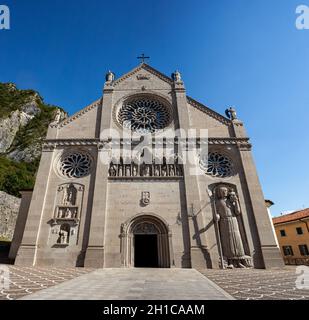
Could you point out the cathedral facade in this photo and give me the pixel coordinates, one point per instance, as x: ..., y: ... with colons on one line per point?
x: 146, y: 177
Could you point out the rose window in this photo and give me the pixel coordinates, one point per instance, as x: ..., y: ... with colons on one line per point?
x: 75, y: 165
x: 144, y: 115
x: 216, y: 164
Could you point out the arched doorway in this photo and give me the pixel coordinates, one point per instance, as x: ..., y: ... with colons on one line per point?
x: 146, y: 242
x: 146, y: 247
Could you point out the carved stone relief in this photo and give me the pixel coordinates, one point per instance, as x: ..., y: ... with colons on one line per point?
x: 145, y: 228
x: 228, y: 218
x: 154, y: 169
x: 142, y: 77
x: 65, y: 222
x: 64, y: 234
x: 145, y: 200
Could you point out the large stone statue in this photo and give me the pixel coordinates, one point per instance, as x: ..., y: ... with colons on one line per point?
x: 228, y: 209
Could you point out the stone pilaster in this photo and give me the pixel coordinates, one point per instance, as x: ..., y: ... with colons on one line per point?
x: 271, y: 256
x: 95, y: 251
x: 26, y: 254
x: 198, y: 246
x: 26, y: 196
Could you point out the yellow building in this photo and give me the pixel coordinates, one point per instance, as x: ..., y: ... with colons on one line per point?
x: 292, y: 231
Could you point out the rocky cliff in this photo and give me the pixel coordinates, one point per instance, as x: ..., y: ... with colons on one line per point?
x: 24, y: 119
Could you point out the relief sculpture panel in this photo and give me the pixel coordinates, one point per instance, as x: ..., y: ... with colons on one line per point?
x: 66, y: 219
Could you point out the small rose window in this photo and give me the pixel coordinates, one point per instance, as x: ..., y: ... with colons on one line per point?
x: 216, y: 164
x: 75, y: 165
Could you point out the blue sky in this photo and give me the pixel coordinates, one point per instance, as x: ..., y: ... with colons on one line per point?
x: 243, y: 53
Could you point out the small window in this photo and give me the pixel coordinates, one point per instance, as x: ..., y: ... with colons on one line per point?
x: 303, y: 249
x: 287, y: 250
x: 299, y: 230
x: 282, y: 233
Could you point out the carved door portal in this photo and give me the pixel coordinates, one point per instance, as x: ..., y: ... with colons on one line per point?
x: 146, y: 243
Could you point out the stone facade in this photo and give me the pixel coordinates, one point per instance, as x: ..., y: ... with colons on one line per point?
x: 88, y: 212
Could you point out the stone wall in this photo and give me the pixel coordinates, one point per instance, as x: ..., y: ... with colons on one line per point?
x: 9, y: 206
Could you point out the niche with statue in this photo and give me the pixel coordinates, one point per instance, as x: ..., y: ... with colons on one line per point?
x: 232, y: 241
x: 66, y: 219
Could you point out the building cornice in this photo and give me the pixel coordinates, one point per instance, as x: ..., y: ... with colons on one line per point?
x: 50, y: 144
x: 241, y: 143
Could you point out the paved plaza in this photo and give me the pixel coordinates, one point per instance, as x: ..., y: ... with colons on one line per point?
x: 135, y: 284
x: 256, y: 284
x: 26, y: 280
x: 187, y: 284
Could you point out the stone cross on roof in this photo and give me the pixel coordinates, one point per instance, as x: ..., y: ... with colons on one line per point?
x: 142, y: 57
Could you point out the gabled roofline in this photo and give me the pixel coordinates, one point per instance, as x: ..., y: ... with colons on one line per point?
x: 146, y: 67
x: 169, y: 80
x: 160, y: 75
x: 209, y: 111
x: 78, y: 114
